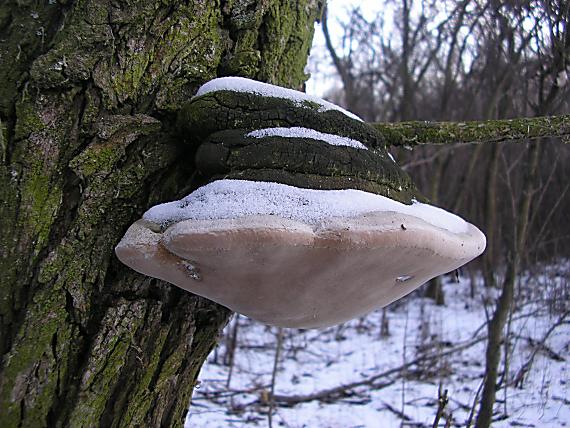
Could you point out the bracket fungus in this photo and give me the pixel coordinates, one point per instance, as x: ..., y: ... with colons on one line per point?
x: 306, y: 221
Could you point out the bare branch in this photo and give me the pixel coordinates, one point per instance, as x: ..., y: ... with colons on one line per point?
x: 415, y: 133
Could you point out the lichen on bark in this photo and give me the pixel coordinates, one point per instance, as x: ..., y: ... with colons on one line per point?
x: 415, y: 133
x: 88, y: 98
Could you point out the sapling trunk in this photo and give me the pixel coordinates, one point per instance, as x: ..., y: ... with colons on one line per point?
x: 500, y: 316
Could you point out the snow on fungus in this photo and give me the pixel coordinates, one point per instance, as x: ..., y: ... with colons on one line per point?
x: 296, y: 257
x: 299, y: 132
x: 242, y: 84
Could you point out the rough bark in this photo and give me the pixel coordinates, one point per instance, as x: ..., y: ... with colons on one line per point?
x: 88, y: 94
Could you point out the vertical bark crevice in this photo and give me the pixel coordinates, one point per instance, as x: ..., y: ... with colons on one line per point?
x: 88, y: 142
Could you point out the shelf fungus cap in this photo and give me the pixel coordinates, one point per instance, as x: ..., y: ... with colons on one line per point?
x: 296, y: 257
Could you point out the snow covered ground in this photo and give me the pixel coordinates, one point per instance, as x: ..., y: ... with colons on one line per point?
x: 395, y: 378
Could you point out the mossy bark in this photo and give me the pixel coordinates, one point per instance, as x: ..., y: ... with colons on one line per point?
x: 88, y: 94
x: 519, y: 130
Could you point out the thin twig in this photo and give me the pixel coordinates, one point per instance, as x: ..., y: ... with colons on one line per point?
x: 232, y: 350
x: 525, y: 368
x: 442, y: 400
x: 274, y: 376
x: 397, y: 412
x: 475, y: 401
x: 345, y: 390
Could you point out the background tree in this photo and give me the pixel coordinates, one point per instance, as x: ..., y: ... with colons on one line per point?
x: 475, y: 60
x: 88, y: 97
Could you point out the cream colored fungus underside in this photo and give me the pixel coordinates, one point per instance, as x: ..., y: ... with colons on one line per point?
x: 287, y: 273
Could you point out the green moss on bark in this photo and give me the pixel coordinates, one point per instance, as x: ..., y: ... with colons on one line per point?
x: 28, y: 121
x: 110, y: 351
x: 26, y: 29
x: 487, y: 131
x: 82, y: 164
x: 288, y: 29
x: 28, y: 368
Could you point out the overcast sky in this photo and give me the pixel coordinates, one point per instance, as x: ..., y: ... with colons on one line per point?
x: 322, y: 72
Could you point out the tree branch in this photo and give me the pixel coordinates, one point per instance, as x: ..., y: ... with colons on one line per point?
x: 415, y: 133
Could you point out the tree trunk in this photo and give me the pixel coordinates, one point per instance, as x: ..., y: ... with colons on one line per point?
x: 89, y: 92
x: 497, y: 323
x: 434, y: 289
x: 490, y: 262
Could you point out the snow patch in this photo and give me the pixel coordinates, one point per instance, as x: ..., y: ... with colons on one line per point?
x: 226, y: 199
x: 241, y: 84
x: 315, y: 360
x: 299, y: 132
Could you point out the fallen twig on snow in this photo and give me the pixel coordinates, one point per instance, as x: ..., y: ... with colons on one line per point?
x: 538, y: 346
x: 345, y: 390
